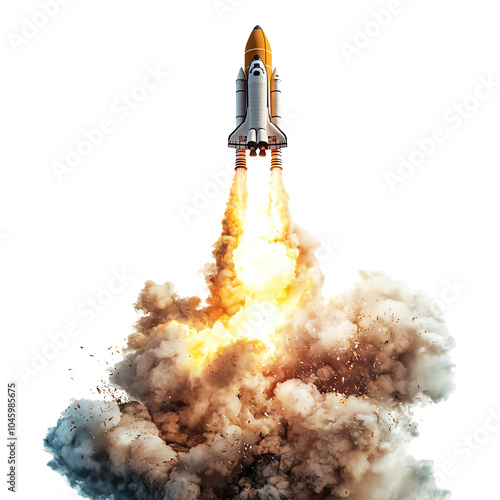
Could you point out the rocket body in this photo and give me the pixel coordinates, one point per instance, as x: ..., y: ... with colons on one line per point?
x: 257, y: 104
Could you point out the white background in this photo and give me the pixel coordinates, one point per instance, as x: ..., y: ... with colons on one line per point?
x: 347, y: 124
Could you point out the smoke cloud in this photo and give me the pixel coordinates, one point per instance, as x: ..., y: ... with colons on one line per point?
x: 266, y: 390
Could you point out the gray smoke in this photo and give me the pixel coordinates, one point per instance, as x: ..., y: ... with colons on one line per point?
x: 328, y: 416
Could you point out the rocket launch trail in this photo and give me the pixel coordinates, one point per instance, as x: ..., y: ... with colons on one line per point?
x: 263, y: 389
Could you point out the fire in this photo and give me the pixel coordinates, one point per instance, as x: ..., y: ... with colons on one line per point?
x: 265, y: 260
x: 266, y: 390
x: 255, y: 321
x: 263, y: 264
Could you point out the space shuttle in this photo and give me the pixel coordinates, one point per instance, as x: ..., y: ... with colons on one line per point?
x: 258, y: 103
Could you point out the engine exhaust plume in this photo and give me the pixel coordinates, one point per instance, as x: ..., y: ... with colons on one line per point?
x: 268, y: 391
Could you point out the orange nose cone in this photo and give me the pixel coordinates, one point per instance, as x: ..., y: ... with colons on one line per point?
x: 258, y: 44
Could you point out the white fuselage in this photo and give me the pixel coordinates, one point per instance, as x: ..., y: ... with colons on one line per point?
x: 258, y: 114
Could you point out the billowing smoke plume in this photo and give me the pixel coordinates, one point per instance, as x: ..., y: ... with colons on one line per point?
x: 268, y: 391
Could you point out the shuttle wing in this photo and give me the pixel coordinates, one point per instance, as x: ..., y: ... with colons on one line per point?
x: 276, y: 137
x: 238, y: 138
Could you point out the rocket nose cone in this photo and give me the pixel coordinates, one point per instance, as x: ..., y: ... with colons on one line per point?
x: 258, y: 44
x: 256, y: 57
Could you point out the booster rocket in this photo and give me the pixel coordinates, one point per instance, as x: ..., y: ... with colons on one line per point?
x: 258, y: 112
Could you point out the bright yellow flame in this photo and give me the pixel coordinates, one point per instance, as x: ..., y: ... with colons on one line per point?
x: 264, y: 261
x: 255, y: 321
x: 266, y: 268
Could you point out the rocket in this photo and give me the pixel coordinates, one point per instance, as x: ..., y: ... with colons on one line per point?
x: 258, y: 104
